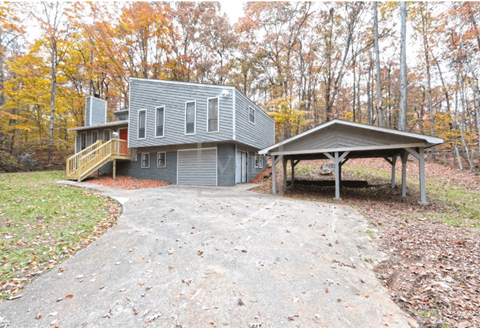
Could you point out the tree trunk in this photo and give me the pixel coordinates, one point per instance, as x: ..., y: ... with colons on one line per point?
x: 53, y: 86
x: 402, y: 122
x: 377, y: 59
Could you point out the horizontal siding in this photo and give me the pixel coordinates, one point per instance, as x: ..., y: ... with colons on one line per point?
x: 99, y: 135
x: 149, y: 94
x: 337, y: 136
x: 259, y: 135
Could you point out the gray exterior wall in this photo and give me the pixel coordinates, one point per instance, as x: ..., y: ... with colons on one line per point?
x: 134, y: 168
x: 225, y: 165
x: 121, y: 115
x: 260, y: 134
x: 99, y: 135
x: 95, y: 111
x: 149, y: 94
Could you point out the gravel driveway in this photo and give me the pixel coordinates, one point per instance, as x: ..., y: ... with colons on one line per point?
x: 215, y: 257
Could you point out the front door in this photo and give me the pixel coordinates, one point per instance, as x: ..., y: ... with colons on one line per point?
x: 241, y: 167
x: 123, y: 136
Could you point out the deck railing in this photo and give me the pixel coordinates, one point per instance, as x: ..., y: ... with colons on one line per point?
x: 83, y: 163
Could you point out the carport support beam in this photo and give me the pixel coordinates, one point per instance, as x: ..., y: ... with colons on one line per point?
x: 394, y: 164
x: 275, y: 160
x: 420, y: 155
x: 284, y: 162
x: 404, y: 174
x: 337, y: 160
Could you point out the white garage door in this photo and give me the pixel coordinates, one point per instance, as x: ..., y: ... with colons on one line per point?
x: 197, y: 167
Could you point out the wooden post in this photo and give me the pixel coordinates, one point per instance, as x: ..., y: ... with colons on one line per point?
x: 404, y: 174
x: 337, y: 177
x: 114, y: 168
x: 292, y: 163
x: 421, y: 166
x: 274, y: 178
x: 394, y: 163
x: 284, y: 162
x: 79, y: 168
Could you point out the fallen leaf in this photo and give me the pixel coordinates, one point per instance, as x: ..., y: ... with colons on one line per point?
x: 69, y: 296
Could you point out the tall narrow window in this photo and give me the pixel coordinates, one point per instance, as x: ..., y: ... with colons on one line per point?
x: 141, y: 123
x: 213, y: 115
x: 251, y: 114
x: 145, y: 160
x: 161, y: 159
x: 160, y: 118
x: 94, y: 137
x: 190, y: 118
x: 83, y: 141
x: 106, y: 135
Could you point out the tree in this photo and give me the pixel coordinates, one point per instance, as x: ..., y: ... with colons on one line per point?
x: 377, y: 59
x: 402, y: 124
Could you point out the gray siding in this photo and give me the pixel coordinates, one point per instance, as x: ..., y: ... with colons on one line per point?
x: 134, y: 168
x: 252, y: 172
x: 226, y: 164
x: 340, y: 136
x: 88, y: 104
x: 99, y: 135
x: 149, y: 94
x: 260, y: 134
x: 98, y: 111
x: 95, y: 111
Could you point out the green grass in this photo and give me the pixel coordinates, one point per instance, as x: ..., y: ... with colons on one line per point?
x: 42, y: 223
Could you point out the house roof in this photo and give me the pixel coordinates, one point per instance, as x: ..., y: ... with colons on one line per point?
x: 338, y: 135
x: 100, y: 126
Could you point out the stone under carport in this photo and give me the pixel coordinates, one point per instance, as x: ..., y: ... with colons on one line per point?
x: 341, y: 141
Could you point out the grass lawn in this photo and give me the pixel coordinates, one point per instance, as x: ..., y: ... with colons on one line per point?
x: 434, y: 268
x: 42, y: 224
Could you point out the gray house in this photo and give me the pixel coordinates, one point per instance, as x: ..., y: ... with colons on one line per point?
x: 178, y: 132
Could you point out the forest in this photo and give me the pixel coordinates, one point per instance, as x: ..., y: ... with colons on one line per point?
x: 409, y: 66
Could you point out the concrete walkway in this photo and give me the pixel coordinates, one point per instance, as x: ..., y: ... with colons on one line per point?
x: 215, y: 257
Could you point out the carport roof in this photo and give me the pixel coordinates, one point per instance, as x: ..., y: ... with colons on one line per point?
x: 359, y: 139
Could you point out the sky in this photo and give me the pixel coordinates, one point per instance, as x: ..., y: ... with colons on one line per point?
x: 233, y: 9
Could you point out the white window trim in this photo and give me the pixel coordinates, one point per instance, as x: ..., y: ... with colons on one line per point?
x: 156, y: 111
x: 91, y: 137
x: 260, y: 161
x: 81, y: 139
x: 138, y: 124
x: 109, y: 133
x: 194, y: 122
x: 141, y: 161
x: 162, y: 152
x: 218, y: 115
x: 250, y: 107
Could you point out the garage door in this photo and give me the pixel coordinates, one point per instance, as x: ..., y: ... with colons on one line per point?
x: 197, y: 167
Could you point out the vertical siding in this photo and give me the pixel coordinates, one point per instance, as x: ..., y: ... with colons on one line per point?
x: 88, y: 104
x: 259, y: 135
x: 98, y: 111
x: 149, y: 94
x: 226, y: 164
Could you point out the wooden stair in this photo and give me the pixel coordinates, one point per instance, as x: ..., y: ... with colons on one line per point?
x: 92, y: 158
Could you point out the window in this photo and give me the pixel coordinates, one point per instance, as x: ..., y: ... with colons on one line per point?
x: 161, y: 159
x: 83, y: 141
x: 145, y: 160
x: 142, y: 120
x: 258, y: 162
x: 251, y: 114
x: 94, y: 137
x: 159, y: 121
x: 213, y: 115
x: 106, y: 135
x: 190, y: 109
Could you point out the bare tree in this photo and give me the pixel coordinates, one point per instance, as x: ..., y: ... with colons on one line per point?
x: 402, y: 122
x: 377, y: 58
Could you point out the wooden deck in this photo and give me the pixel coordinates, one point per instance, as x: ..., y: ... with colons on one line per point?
x: 92, y: 158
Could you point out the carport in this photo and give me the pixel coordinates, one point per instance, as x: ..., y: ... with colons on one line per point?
x: 341, y: 141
